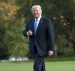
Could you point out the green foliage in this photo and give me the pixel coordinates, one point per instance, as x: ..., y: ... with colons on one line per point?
x: 12, y: 22
x: 4, y: 52
x: 17, y: 43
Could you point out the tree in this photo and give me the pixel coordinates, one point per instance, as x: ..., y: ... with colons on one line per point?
x: 15, y: 13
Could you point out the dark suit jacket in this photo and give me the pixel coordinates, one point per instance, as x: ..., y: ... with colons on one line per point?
x: 44, y: 37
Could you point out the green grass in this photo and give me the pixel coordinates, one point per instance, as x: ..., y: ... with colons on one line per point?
x: 28, y: 66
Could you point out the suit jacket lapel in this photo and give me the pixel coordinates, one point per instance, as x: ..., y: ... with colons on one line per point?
x: 40, y: 23
x: 33, y: 25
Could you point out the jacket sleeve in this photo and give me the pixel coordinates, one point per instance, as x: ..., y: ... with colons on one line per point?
x: 50, y: 36
x: 26, y: 28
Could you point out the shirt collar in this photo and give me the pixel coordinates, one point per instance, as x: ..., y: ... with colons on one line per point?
x: 38, y: 18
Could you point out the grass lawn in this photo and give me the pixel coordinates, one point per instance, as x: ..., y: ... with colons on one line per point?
x: 28, y: 66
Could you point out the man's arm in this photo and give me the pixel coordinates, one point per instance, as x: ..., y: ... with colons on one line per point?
x: 50, y: 34
x: 27, y: 31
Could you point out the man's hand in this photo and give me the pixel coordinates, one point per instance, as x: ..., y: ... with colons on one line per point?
x: 50, y: 53
x: 29, y: 33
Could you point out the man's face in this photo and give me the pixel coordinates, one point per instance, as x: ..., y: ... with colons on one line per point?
x: 36, y: 12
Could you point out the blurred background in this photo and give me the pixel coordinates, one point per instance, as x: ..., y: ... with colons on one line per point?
x: 14, y: 15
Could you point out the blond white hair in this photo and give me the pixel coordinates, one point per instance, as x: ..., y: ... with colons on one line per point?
x: 36, y: 6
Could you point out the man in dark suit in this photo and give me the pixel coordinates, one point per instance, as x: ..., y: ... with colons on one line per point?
x: 41, y: 37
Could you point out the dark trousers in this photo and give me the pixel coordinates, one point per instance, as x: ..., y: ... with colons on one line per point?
x: 39, y: 63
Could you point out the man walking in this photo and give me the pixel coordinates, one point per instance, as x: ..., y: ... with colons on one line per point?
x: 41, y: 37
